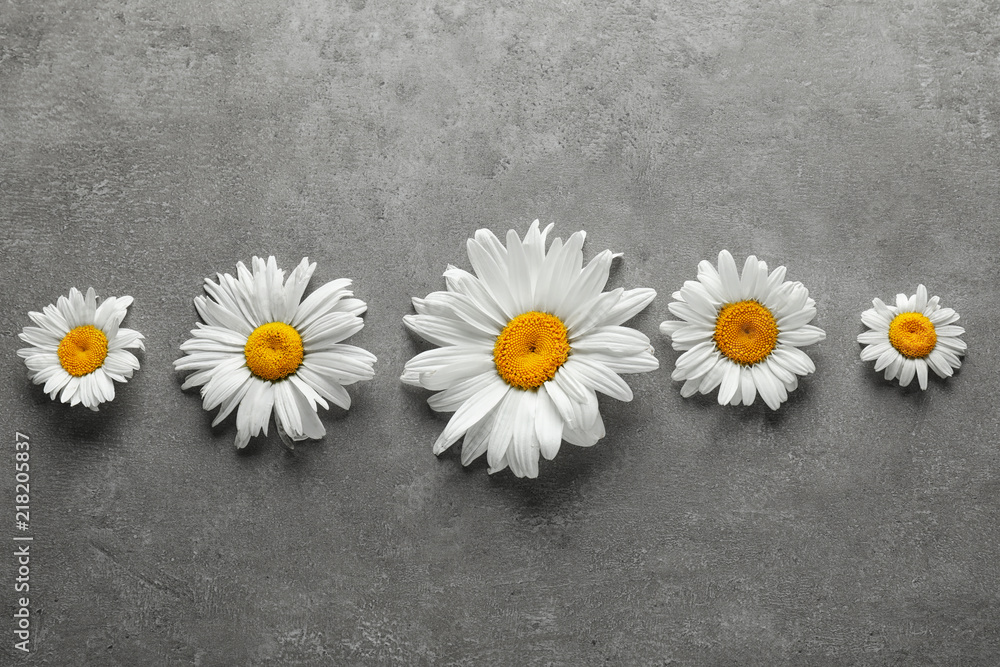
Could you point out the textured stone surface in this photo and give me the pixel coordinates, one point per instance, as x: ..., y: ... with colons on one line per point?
x: 146, y: 145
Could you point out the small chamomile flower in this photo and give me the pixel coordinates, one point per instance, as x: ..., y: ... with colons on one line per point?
x: 906, y: 339
x: 79, y: 350
x: 262, y: 351
x: 742, y: 332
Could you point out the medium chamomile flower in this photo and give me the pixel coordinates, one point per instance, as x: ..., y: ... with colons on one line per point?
x: 525, y: 344
x: 78, y: 350
x: 912, y: 336
x: 262, y: 350
x: 742, y: 333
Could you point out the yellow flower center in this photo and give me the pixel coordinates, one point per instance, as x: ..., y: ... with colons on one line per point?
x: 530, y: 349
x: 913, y: 335
x: 745, y: 332
x: 83, y: 350
x: 273, y: 351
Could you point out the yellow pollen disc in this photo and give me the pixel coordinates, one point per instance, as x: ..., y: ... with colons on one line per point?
x: 83, y: 350
x: 530, y: 349
x: 745, y: 332
x: 913, y: 335
x: 273, y: 351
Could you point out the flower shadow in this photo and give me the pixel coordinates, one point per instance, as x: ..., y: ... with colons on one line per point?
x: 81, y: 426
x: 758, y: 411
x: 912, y: 391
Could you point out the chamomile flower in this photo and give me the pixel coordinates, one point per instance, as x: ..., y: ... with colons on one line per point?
x: 742, y: 333
x: 78, y: 350
x: 912, y: 336
x: 262, y: 351
x: 526, y: 343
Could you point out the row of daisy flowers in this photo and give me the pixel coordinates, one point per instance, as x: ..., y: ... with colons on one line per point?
x: 524, y: 344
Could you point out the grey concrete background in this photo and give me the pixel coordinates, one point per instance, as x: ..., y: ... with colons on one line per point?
x: 145, y: 145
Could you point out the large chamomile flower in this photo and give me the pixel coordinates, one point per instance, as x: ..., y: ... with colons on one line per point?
x: 525, y: 344
x: 263, y: 350
x: 911, y: 336
x: 78, y: 350
x: 742, y: 333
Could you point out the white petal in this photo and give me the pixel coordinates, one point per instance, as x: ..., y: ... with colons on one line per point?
x: 329, y: 329
x: 731, y: 288
x: 226, y: 379
x: 254, y: 412
x: 730, y: 383
x: 713, y: 378
x: 477, y: 438
x: 562, y: 268
x: 449, y: 375
x: 888, y: 355
x: 895, y: 367
x: 453, y: 397
x: 597, y: 376
x: 585, y: 437
x: 320, y: 302
x: 294, y: 287
x: 748, y: 281
x: 921, y: 298
x: 286, y: 412
x: 503, y: 430
x: 233, y: 400
x: 748, y: 391
x: 670, y: 327
x: 796, y: 319
x: 709, y: 277
x: 548, y: 425
x: 126, y: 339
x: 562, y: 402
x: 326, y: 387
x: 611, y: 340
x: 473, y: 410
x: 493, y: 276
x: 950, y: 330
x: 873, y: 320
x: 522, y: 455
x: 922, y: 369
x: 441, y: 331
x: 468, y: 285
x: 693, y: 358
x: 802, y: 336
x: 40, y: 338
x: 590, y: 313
x: 345, y: 369
x: 908, y: 371
x: 781, y: 374
x: 441, y: 357
x: 767, y: 385
x: 690, y: 387
x: 643, y: 362
x: 938, y: 364
x: 883, y: 311
x: 873, y: 352
x: 519, y: 273
x: 697, y: 298
x: 873, y: 337
x: 631, y: 303
x: 692, y: 334
x: 588, y: 284
x: 794, y: 359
